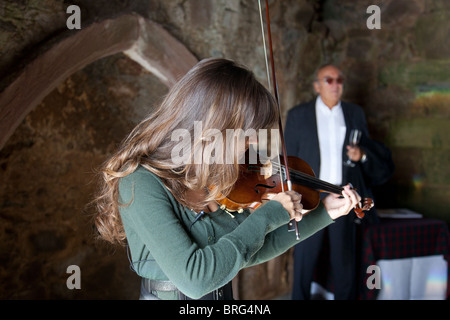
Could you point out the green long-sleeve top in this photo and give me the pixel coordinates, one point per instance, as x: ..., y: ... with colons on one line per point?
x: 200, y: 257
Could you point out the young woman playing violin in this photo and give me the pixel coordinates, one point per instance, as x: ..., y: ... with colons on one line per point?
x: 182, y: 243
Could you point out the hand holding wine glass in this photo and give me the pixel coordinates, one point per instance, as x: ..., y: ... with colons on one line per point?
x: 353, y: 151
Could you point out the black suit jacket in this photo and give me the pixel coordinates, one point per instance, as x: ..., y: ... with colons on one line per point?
x: 302, y: 141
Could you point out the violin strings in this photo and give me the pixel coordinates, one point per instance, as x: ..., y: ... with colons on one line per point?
x: 309, y: 178
x: 313, y: 181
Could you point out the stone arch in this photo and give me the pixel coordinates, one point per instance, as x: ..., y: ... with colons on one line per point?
x: 140, y: 39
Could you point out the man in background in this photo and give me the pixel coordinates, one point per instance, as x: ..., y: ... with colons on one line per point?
x: 318, y: 132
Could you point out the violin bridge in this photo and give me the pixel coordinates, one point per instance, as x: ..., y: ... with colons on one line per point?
x: 266, y: 170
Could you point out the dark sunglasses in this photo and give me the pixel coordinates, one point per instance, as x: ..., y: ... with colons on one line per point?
x: 330, y: 81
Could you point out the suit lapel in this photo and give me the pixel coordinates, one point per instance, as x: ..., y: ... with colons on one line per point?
x: 312, y: 120
x: 347, y: 117
x: 348, y: 124
x: 315, y: 150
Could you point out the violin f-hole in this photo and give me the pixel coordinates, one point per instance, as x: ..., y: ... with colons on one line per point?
x: 264, y: 186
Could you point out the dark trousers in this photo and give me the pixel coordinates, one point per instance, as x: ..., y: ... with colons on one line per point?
x: 341, y: 235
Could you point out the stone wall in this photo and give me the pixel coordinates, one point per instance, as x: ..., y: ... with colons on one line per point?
x: 399, y: 74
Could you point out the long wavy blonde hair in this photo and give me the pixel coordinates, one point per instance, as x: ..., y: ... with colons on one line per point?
x: 221, y: 95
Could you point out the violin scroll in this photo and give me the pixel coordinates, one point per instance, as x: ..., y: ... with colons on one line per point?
x: 366, y: 206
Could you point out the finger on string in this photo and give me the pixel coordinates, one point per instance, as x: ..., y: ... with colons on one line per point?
x: 354, y: 194
x: 353, y: 198
x: 346, y: 197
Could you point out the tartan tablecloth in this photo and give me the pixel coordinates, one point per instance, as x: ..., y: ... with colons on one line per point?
x: 403, y: 238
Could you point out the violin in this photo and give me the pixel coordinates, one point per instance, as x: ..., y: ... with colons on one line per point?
x: 262, y: 181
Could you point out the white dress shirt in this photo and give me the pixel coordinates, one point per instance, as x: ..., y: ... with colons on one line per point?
x: 331, y: 132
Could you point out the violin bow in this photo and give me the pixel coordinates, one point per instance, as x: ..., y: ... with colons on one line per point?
x: 292, y: 224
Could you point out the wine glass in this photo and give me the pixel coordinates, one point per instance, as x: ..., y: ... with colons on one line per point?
x: 353, y: 141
